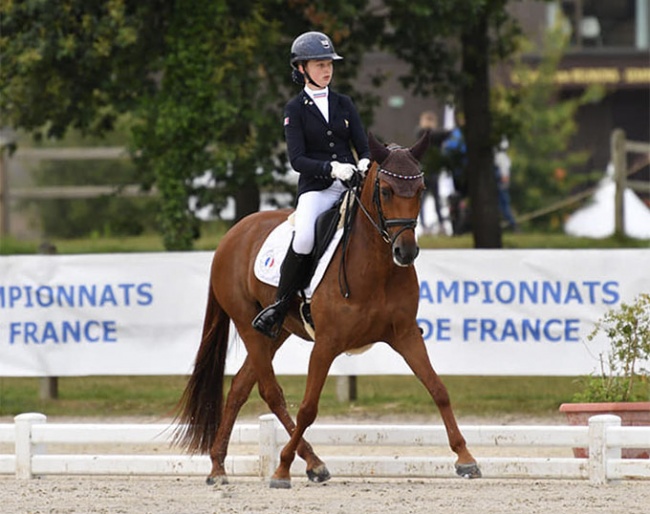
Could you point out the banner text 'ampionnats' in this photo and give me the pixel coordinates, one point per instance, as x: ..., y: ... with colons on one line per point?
x: 503, y: 294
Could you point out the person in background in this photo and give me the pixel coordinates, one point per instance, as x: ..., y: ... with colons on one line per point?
x: 323, y: 131
x: 454, y: 152
x: 431, y: 164
x: 502, y: 165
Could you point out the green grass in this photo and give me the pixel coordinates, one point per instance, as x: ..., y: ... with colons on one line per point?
x: 157, y: 396
x: 213, y: 231
x: 532, y: 240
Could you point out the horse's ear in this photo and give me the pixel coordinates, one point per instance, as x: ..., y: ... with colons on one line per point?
x: 378, y: 152
x: 418, y: 149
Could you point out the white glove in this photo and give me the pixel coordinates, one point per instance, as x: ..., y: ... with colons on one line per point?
x: 363, y: 166
x: 342, y: 170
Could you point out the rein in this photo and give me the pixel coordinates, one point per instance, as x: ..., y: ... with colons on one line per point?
x: 350, y: 212
x: 382, y: 227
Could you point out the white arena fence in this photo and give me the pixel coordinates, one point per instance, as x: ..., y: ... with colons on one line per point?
x: 31, y: 436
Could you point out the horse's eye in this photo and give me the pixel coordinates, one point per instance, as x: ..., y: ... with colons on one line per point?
x: 386, y: 193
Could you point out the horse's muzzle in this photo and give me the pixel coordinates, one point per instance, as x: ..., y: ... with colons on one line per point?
x: 404, y: 254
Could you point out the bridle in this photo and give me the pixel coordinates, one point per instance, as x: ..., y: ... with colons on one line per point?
x: 383, y: 225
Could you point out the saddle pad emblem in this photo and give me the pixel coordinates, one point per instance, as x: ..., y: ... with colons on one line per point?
x: 269, y: 259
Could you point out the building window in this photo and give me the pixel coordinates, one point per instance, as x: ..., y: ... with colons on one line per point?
x: 605, y: 23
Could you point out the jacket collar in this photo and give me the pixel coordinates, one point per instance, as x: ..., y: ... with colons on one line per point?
x: 312, y: 108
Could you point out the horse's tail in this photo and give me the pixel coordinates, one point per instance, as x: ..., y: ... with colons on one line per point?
x: 199, y: 409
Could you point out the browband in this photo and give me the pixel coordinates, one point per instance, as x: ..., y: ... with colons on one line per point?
x: 397, y: 175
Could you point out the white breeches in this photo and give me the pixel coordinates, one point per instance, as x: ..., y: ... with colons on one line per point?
x: 310, y: 205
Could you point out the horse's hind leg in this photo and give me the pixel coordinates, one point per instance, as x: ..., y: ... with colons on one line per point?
x: 415, y: 354
x: 240, y: 389
x: 258, y: 367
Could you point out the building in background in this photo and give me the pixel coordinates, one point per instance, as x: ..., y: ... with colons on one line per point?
x: 609, y: 46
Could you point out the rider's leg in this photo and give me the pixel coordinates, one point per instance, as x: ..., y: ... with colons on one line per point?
x: 293, y: 277
x: 297, y: 266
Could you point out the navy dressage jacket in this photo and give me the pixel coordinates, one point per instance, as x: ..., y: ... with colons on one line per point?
x: 312, y: 142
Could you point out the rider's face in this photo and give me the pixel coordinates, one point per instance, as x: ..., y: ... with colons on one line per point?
x: 320, y: 71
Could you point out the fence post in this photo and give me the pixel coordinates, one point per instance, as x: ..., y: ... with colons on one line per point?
x: 599, y: 452
x: 269, y: 447
x: 24, y: 447
x: 620, y: 178
x: 346, y: 388
x: 4, y: 189
x: 49, y: 386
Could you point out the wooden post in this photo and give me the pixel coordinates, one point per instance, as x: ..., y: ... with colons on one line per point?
x: 4, y: 190
x: 268, y: 446
x: 24, y: 448
x: 346, y: 388
x: 599, y: 452
x: 48, y: 386
x: 620, y: 178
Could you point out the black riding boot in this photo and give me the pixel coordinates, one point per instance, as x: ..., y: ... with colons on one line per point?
x: 294, y: 274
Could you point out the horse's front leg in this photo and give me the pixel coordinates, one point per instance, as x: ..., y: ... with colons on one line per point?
x: 319, y: 365
x: 316, y: 469
x: 413, y: 350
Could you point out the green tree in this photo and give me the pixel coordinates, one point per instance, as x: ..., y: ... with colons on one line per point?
x: 450, y: 46
x: 204, y: 81
x: 539, y: 124
x: 77, y: 63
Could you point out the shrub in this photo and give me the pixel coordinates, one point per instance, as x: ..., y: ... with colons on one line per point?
x: 624, y: 375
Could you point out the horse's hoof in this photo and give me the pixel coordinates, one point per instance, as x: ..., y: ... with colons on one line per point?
x: 222, y: 480
x: 280, y: 483
x: 468, y: 470
x: 319, y: 474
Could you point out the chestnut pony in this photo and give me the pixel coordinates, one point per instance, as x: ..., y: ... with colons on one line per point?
x: 381, y: 306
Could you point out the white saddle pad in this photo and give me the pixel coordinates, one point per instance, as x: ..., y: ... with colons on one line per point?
x: 270, y: 257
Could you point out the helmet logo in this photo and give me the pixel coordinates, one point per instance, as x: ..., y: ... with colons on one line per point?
x: 325, y: 43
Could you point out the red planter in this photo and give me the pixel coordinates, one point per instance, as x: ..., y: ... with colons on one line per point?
x: 631, y: 414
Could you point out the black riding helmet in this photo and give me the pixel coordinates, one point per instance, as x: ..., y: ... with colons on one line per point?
x: 310, y: 46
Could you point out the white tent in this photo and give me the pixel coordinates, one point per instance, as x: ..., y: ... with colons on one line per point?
x: 597, y: 219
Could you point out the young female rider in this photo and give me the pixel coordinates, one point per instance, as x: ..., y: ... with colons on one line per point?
x: 321, y: 130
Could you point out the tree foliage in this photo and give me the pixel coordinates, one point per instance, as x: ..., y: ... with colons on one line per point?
x: 77, y: 63
x: 539, y: 124
x: 204, y: 82
x: 450, y: 46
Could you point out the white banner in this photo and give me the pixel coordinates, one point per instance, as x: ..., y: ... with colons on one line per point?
x: 482, y: 312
